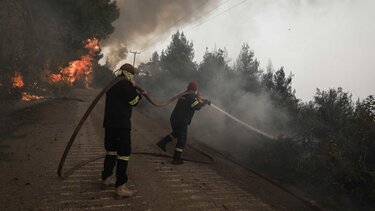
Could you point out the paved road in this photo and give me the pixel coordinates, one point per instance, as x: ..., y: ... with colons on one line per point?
x: 31, y: 146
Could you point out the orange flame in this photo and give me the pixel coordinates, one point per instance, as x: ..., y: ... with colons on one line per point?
x: 92, y: 45
x: 78, y: 68
x: 29, y: 97
x: 17, y: 80
x: 55, y: 78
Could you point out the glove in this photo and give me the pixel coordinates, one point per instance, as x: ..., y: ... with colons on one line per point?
x: 205, y: 101
x: 199, y: 96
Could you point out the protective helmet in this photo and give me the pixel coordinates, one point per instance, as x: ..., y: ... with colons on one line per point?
x: 128, y: 68
x: 193, y: 86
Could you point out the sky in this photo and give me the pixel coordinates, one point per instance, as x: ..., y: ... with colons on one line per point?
x: 324, y: 43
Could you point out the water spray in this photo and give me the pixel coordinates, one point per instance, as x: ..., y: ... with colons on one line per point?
x: 243, y: 123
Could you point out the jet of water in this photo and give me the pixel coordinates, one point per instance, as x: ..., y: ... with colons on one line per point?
x: 243, y: 123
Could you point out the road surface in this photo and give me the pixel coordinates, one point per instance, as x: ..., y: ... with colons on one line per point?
x: 33, y: 139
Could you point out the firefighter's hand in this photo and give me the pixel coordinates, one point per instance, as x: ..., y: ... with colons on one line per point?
x: 144, y: 92
x: 199, y: 96
x: 205, y: 101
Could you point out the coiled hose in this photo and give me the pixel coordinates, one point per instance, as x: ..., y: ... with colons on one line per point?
x: 87, y: 113
x: 308, y: 202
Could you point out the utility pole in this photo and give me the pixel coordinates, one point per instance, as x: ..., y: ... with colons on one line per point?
x: 134, y: 55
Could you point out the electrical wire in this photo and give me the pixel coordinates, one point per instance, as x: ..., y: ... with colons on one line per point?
x: 236, y: 5
x: 198, y: 19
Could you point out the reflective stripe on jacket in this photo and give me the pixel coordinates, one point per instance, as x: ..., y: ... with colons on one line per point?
x: 185, y: 107
x: 118, y: 105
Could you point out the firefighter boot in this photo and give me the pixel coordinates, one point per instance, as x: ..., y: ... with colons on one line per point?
x: 124, y: 192
x: 109, y: 182
x: 161, y: 144
x: 177, y: 158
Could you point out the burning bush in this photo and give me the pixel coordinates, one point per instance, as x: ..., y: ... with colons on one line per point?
x: 43, y: 37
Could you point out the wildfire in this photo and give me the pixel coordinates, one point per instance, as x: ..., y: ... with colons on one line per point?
x: 17, y: 80
x: 92, y: 45
x: 29, y: 97
x: 55, y: 78
x: 78, y: 68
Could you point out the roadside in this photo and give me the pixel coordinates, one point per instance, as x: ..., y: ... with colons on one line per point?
x: 39, y: 134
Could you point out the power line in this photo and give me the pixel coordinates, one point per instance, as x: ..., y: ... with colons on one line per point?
x: 209, y: 12
x: 198, y: 19
x: 218, y: 14
x: 187, y: 15
x: 206, y: 21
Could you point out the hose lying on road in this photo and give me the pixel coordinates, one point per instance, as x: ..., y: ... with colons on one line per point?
x: 83, y: 163
x: 87, y: 113
x: 311, y: 203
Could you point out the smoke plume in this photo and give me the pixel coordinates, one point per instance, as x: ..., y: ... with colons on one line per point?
x: 142, y: 23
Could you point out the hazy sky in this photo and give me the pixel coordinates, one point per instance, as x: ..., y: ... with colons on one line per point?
x: 324, y: 43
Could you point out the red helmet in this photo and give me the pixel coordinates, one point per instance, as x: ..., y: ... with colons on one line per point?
x: 193, y: 86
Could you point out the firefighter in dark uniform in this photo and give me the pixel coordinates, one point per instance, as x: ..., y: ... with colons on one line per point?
x: 118, y: 110
x: 180, y: 119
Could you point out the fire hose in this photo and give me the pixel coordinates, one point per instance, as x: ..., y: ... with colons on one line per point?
x: 89, y: 110
x: 310, y: 203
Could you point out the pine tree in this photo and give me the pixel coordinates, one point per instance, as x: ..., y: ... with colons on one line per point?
x: 177, y: 60
x: 249, y: 67
x: 214, y: 65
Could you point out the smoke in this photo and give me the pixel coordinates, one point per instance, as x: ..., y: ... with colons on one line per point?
x: 257, y: 110
x: 117, y: 53
x: 142, y: 23
x: 213, y: 127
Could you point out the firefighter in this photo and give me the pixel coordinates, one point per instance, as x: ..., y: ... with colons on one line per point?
x: 118, y: 110
x: 180, y: 119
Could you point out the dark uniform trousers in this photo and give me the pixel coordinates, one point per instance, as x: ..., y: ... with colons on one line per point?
x: 180, y: 119
x: 179, y: 131
x: 118, y: 145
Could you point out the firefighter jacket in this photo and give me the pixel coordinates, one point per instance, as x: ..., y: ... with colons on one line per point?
x: 184, y: 110
x: 118, y: 105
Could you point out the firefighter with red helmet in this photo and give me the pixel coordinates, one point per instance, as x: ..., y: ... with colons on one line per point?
x: 180, y: 119
x: 117, y: 123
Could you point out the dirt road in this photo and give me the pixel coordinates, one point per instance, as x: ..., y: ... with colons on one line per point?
x: 33, y: 140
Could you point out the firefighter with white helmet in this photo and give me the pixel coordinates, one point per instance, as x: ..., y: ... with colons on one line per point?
x: 117, y: 123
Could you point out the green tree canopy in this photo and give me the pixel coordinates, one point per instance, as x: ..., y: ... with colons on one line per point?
x: 214, y: 63
x: 248, y: 66
x: 177, y: 59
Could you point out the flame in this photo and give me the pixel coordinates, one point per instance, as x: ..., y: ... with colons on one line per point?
x: 17, y: 80
x: 78, y: 69
x: 92, y: 45
x: 29, y: 97
x: 55, y: 78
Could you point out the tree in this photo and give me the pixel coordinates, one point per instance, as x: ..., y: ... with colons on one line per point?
x: 45, y: 35
x: 214, y: 64
x: 279, y: 86
x: 267, y: 82
x: 249, y: 67
x: 154, y: 64
x: 177, y: 60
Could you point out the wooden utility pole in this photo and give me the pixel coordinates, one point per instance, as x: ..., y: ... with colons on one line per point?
x: 134, y: 55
